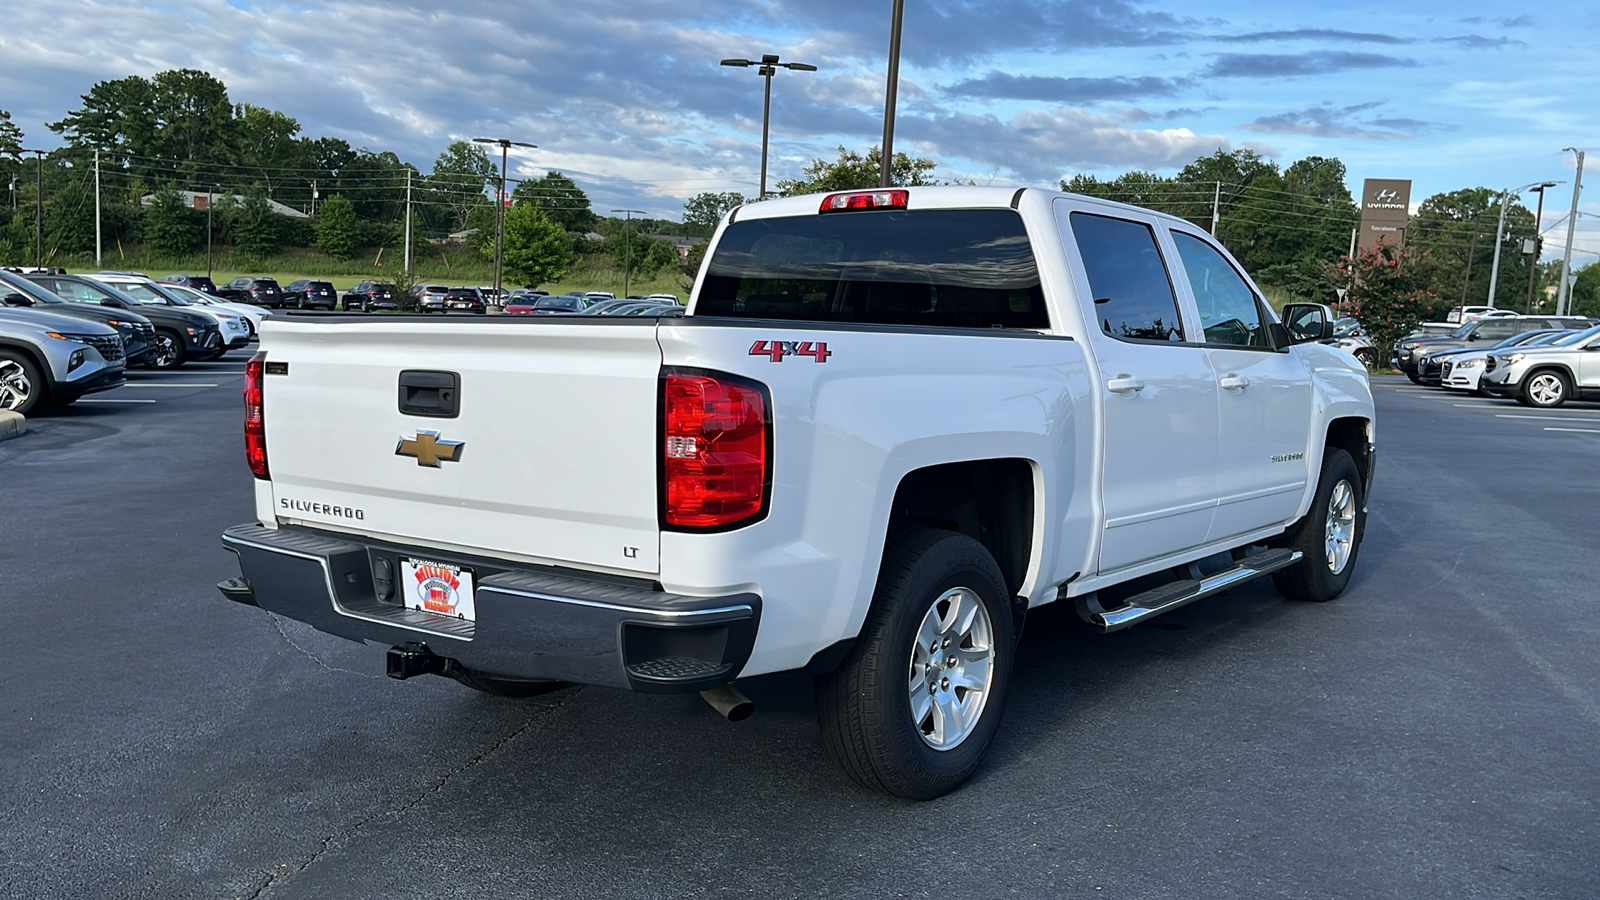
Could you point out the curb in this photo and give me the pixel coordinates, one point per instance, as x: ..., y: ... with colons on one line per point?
x: 11, y: 424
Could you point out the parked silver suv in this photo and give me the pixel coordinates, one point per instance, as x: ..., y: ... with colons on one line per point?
x: 1547, y: 376
x: 53, y: 359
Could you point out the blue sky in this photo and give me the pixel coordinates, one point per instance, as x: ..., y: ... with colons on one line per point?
x: 627, y: 97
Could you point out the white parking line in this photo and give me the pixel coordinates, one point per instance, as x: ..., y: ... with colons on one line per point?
x: 115, y: 401
x: 1580, y: 430
x: 1547, y: 418
x: 170, y: 384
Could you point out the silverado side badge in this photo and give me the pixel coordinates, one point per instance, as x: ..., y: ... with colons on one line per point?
x: 428, y: 449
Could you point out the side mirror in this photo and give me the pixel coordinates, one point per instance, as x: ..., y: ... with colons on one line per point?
x: 17, y: 300
x: 1307, y: 322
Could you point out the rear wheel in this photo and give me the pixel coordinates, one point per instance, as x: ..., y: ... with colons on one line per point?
x: 1367, y: 357
x: 1329, y: 536
x: 1546, y: 389
x: 912, y: 710
x: 21, y: 387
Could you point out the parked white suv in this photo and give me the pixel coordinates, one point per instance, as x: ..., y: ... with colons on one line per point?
x: 890, y: 423
x: 1548, y: 376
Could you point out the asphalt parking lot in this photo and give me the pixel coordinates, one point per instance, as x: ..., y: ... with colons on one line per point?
x: 1432, y: 733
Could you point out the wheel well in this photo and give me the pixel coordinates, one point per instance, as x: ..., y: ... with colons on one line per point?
x: 988, y: 500
x: 1550, y: 367
x: 1351, y: 436
x: 46, y: 374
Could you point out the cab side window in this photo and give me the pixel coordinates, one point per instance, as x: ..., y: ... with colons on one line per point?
x: 1229, y: 311
x: 1133, y: 296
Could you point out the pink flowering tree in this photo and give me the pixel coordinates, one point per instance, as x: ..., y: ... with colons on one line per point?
x: 1389, y: 291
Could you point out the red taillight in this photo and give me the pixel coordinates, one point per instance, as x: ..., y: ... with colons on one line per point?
x: 714, y: 450
x: 255, y: 422
x: 864, y: 200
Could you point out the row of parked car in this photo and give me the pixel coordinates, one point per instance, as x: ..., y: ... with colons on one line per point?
x: 1541, y: 361
x: 63, y: 335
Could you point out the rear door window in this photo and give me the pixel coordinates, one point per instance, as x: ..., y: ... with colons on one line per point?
x: 1133, y: 296
x: 966, y: 268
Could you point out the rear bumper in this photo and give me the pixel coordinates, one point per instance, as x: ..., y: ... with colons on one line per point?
x: 532, y: 622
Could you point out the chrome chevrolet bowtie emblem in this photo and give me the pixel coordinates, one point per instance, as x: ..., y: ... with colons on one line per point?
x: 428, y: 449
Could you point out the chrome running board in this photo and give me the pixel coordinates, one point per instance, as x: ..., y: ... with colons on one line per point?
x: 1169, y: 597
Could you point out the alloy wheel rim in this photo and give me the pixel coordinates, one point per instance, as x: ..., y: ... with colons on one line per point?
x: 15, y: 388
x: 1545, y: 389
x: 952, y: 668
x: 1339, y: 534
x: 166, y: 351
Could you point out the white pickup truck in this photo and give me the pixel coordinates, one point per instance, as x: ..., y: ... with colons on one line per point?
x: 890, y: 424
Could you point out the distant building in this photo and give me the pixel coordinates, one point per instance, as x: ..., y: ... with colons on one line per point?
x: 204, y: 199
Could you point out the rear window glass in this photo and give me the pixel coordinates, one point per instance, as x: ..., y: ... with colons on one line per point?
x: 970, y: 268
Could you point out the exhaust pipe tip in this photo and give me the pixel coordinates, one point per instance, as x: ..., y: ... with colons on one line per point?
x: 729, y: 702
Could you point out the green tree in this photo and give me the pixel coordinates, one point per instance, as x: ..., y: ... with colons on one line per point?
x: 337, y: 228
x: 537, y: 249
x: 1457, y: 229
x: 460, y: 175
x: 256, y: 230
x: 560, y: 198
x: 703, y: 211
x: 857, y: 171
x: 264, y: 141
x: 171, y: 228
x: 117, y: 117
x: 10, y: 135
x: 1585, y: 291
x: 480, y: 229
x: 195, y: 119
x: 1389, y: 290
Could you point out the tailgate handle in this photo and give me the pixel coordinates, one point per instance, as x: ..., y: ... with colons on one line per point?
x: 434, y: 394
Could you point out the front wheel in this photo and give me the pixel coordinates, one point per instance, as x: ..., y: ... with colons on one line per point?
x: 1329, y: 537
x: 1367, y: 357
x: 912, y: 710
x: 21, y: 387
x: 170, y: 352
x: 1415, y: 379
x: 1546, y: 389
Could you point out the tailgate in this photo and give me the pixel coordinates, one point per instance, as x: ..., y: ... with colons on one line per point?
x: 556, y: 424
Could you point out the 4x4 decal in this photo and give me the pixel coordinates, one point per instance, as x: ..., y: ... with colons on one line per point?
x: 777, y: 350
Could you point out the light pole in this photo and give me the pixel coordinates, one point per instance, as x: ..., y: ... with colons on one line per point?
x: 627, y: 245
x: 1538, y: 240
x: 885, y: 165
x: 1494, y: 272
x: 769, y: 66
x: 505, y: 145
x: 38, y: 206
x: 211, y: 203
x: 1572, y: 224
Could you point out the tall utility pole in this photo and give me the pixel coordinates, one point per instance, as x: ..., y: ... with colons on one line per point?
x: 38, y: 206
x: 1494, y: 271
x: 97, y: 260
x: 1572, y: 223
x: 627, y: 230
x: 211, y: 202
x: 505, y: 145
x: 885, y: 166
x: 1538, y: 241
x: 407, y: 266
x: 1216, y: 208
x: 769, y: 67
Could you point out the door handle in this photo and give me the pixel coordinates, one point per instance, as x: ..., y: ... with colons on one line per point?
x: 1126, y: 385
x: 1233, y: 381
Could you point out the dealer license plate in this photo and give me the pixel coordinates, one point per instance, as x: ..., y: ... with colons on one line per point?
x: 438, y: 588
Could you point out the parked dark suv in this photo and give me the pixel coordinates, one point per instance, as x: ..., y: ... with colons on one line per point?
x: 464, y: 299
x: 305, y: 293
x: 253, y: 289
x: 198, y: 282
x: 370, y: 295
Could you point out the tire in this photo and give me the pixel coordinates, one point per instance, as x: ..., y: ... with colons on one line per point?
x: 870, y: 724
x: 169, y: 353
x: 1415, y: 379
x: 1546, y: 388
x: 1329, y: 535
x: 1367, y: 357
x: 21, y: 386
x: 505, y: 687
